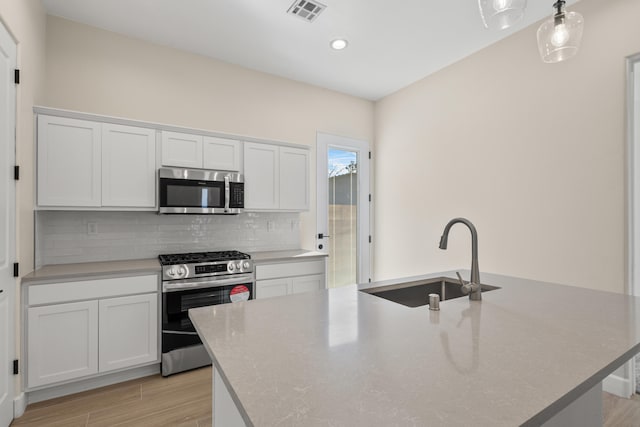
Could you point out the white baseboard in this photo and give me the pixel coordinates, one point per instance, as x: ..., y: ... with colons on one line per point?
x: 618, y: 386
x: 19, y: 405
x: 91, y: 383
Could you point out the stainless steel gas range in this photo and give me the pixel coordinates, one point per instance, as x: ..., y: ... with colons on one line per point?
x: 195, y: 280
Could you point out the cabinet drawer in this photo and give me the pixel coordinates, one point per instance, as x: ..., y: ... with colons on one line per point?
x: 289, y: 269
x: 91, y: 289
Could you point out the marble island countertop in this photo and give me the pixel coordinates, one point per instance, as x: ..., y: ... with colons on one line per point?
x: 347, y: 358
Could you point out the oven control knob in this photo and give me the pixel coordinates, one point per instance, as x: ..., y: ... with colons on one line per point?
x: 182, y: 271
x: 246, y: 265
x: 231, y: 266
x: 177, y: 272
x: 239, y: 266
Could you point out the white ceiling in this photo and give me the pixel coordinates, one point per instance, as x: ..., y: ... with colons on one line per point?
x: 392, y: 43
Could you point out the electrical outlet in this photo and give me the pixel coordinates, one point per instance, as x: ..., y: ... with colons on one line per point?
x: 271, y: 225
x: 294, y: 225
x: 92, y: 228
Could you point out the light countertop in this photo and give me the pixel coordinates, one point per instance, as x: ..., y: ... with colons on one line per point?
x: 58, y: 272
x: 269, y: 256
x: 341, y: 357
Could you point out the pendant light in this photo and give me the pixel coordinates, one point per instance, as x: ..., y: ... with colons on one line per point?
x: 559, y: 37
x: 501, y: 14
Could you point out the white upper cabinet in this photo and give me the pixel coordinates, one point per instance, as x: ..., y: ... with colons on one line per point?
x: 261, y: 177
x: 181, y: 150
x: 86, y: 164
x: 201, y: 152
x: 128, y: 166
x: 221, y: 154
x: 294, y: 179
x: 69, y: 162
x: 276, y: 178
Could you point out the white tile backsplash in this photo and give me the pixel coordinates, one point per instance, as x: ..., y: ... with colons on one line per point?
x: 63, y: 237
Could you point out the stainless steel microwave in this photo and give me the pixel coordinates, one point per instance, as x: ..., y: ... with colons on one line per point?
x: 199, y: 191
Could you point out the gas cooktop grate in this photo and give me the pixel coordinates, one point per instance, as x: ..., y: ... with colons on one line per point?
x: 200, y: 257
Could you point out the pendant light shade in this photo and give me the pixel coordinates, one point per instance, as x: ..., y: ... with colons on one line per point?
x: 501, y: 14
x: 559, y: 37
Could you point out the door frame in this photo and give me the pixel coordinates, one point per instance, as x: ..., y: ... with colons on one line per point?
x: 323, y: 142
x: 627, y: 386
x: 7, y: 41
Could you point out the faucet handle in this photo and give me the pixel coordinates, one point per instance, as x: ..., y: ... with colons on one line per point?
x: 466, y: 288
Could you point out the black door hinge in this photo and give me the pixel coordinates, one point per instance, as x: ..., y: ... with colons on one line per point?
x: 369, y: 197
x: 16, y: 172
x: 16, y: 76
x: 369, y: 154
x: 16, y: 367
x: 369, y: 239
x: 16, y: 269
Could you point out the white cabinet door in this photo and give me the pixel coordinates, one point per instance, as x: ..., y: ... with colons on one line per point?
x: 307, y: 283
x: 128, y: 331
x: 261, y: 186
x: 294, y: 179
x: 272, y: 288
x: 221, y: 154
x: 128, y: 166
x: 69, y: 166
x: 181, y: 150
x: 62, y: 342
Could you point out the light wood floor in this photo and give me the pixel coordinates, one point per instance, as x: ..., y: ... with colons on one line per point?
x: 184, y: 400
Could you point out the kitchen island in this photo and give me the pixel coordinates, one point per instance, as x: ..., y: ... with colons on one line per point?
x: 530, y: 353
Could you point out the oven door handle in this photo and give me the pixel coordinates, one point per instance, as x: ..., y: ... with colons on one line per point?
x: 170, y: 332
x: 189, y: 284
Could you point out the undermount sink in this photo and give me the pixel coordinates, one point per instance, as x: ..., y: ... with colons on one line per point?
x: 416, y: 294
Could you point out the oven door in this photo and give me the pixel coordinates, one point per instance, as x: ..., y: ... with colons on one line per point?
x: 177, y: 329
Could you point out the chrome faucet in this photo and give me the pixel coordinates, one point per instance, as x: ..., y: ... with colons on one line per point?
x: 473, y: 287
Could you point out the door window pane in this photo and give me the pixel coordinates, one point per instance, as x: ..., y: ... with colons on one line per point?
x: 343, y: 217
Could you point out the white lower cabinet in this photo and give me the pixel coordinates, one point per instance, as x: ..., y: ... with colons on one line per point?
x: 73, y: 340
x: 286, y: 278
x: 128, y: 330
x: 63, y: 342
x: 307, y: 283
x: 272, y: 288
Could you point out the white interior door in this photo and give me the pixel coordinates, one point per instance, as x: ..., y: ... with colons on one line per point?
x: 7, y: 223
x: 343, y: 208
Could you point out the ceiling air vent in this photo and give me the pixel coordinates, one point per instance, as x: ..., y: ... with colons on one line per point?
x: 307, y: 10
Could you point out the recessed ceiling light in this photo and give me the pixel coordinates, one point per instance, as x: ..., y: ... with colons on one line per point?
x: 339, y: 44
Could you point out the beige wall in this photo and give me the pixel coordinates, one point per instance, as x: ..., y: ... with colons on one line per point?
x: 533, y: 154
x: 101, y: 72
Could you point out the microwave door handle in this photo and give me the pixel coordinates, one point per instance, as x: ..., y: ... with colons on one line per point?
x: 227, y: 192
